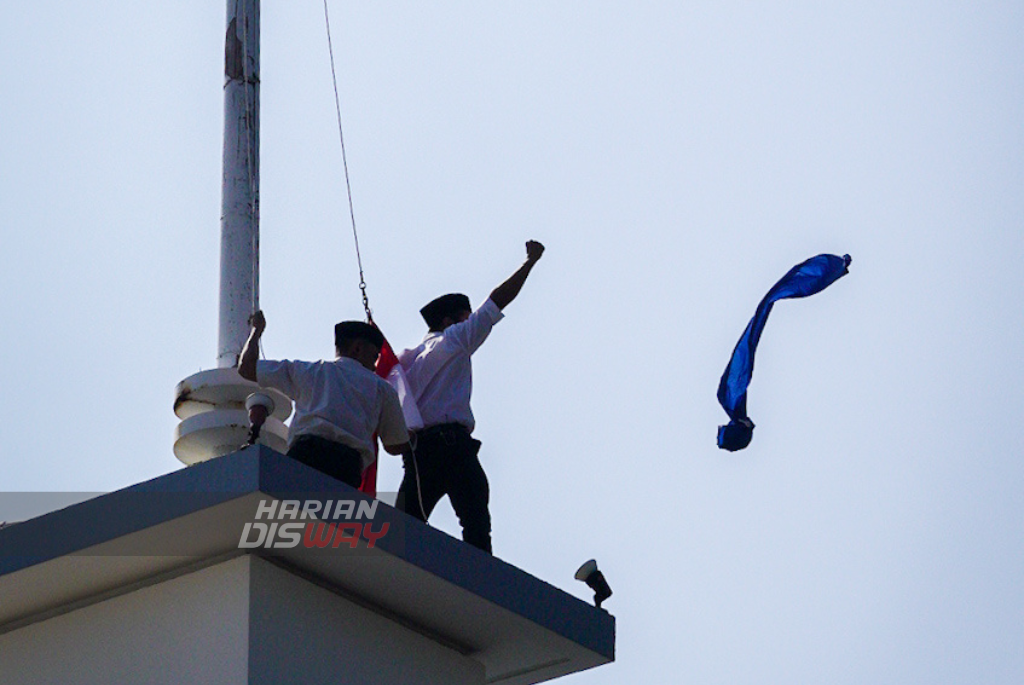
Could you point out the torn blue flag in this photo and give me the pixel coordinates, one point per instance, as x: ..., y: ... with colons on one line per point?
x: 806, y: 278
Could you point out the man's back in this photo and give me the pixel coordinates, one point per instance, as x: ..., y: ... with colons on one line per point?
x: 440, y: 372
x: 339, y: 405
x: 338, y: 400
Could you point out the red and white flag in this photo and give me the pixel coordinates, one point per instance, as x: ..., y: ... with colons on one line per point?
x: 391, y: 370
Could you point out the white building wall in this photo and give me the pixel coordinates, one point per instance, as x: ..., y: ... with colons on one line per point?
x: 302, y: 633
x: 190, y: 629
x: 242, y: 622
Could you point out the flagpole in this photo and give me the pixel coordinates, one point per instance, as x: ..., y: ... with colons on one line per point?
x: 211, y: 403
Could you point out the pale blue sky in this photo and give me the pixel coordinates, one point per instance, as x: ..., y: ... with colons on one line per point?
x: 676, y: 159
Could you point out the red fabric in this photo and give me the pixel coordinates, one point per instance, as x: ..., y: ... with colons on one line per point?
x: 385, y: 362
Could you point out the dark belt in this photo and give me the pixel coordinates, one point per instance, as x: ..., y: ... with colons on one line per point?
x: 445, y: 431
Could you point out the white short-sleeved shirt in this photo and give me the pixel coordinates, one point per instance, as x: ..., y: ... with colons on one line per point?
x: 341, y: 401
x: 439, y: 371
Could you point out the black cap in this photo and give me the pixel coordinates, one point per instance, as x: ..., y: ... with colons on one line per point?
x: 446, y: 305
x: 356, y: 330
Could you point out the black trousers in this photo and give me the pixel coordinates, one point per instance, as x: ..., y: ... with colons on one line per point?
x: 446, y: 463
x: 336, y: 460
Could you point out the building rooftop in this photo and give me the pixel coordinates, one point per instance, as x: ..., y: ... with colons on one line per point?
x: 521, y: 629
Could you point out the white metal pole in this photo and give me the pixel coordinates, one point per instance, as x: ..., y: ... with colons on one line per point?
x: 239, y: 237
x: 212, y: 404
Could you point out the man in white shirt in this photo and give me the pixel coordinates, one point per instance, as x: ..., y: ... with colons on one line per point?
x: 440, y: 377
x: 339, y: 405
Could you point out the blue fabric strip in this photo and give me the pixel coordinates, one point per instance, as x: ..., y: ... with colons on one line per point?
x: 804, y: 279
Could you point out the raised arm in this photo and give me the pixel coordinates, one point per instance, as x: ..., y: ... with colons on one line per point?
x: 507, y: 291
x: 251, y: 350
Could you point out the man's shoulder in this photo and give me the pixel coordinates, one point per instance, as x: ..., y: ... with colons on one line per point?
x: 273, y: 365
x: 384, y: 391
x: 350, y: 368
x: 353, y: 369
x: 406, y: 356
x: 386, y: 387
x: 468, y: 335
x: 432, y: 342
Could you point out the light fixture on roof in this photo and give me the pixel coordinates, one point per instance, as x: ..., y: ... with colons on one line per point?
x: 259, y: 406
x: 594, y: 579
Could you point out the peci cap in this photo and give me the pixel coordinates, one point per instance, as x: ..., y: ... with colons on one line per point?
x: 446, y: 305
x: 357, y: 330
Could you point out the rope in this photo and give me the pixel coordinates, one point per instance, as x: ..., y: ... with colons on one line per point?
x: 344, y: 161
x: 416, y: 471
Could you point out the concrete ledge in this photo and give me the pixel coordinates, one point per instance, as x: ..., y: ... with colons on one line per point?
x: 521, y: 629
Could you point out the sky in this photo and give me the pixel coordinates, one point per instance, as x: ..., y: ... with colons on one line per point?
x: 676, y: 159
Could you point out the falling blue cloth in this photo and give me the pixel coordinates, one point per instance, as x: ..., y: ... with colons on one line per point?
x: 806, y: 278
